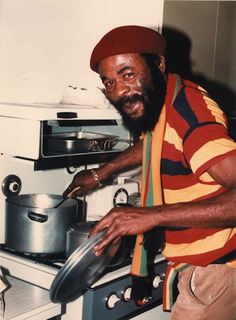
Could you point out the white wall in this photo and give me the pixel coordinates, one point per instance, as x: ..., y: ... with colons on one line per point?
x: 45, y: 45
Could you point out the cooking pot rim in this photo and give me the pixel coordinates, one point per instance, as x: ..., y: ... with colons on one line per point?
x: 13, y: 200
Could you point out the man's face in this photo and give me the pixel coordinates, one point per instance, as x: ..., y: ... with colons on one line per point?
x: 134, y: 89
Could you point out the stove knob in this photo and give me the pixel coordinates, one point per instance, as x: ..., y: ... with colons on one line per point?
x: 11, y: 185
x: 156, y: 281
x: 112, y: 300
x: 126, y: 296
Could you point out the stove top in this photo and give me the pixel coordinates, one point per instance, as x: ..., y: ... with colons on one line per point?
x: 41, y: 269
x: 57, y: 260
x: 42, y: 258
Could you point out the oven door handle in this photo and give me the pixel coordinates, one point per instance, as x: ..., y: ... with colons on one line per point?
x: 37, y: 217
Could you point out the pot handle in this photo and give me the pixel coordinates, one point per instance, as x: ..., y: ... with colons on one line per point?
x: 37, y: 217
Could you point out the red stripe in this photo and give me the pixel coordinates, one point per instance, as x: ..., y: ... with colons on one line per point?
x: 201, y: 107
x: 179, y: 123
x: 176, y: 182
x: 191, y: 84
x: 170, y: 149
x: 189, y: 235
x: 198, y: 105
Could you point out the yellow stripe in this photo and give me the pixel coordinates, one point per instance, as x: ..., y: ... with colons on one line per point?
x: 143, y: 169
x: 213, y: 242
x: 172, y: 137
x: 205, y: 177
x: 168, y: 289
x: 215, y: 110
x: 137, y: 258
x: 188, y: 194
x: 157, y: 140
x: 210, y: 150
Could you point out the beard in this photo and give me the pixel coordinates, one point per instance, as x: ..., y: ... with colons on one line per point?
x: 152, y: 97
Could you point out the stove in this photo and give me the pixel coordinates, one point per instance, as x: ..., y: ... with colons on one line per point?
x: 109, y: 297
x: 29, y: 166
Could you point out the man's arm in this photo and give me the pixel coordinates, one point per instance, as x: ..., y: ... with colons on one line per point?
x: 84, y: 181
x: 216, y: 212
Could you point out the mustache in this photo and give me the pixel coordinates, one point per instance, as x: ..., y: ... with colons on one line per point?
x: 128, y: 99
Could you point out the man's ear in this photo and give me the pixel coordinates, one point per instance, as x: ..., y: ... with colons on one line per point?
x: 162, y: 64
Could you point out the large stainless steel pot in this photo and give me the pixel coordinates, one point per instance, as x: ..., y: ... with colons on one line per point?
x: 34, y: 225
x: 76, y: 235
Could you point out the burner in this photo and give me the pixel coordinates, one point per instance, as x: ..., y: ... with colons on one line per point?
x: 44, y: 258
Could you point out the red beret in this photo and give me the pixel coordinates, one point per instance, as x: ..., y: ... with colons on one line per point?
x: 127, y: 39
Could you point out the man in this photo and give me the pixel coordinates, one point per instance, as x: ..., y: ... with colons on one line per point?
x: 188, y: 173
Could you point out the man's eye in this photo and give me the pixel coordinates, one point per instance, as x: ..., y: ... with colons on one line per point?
x: 128, y: 75
x: 108, y: 84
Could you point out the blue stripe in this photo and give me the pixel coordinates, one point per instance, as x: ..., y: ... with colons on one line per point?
x: 174, y: 168
x: 182, y: 106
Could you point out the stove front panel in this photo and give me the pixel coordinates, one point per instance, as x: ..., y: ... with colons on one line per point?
x: 109, y: 297
x: 112, y: 300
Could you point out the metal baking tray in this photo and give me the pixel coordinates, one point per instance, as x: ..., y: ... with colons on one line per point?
x: 81, y: 142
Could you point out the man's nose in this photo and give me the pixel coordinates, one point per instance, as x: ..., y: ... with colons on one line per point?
x: 122, y: 88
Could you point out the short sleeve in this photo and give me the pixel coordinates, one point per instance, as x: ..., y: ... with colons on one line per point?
x: 204, y: 133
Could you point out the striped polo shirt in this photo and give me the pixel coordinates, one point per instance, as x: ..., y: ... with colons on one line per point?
x: 195, y: 139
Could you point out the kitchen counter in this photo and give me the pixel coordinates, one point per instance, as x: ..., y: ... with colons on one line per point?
x: 27, y: 301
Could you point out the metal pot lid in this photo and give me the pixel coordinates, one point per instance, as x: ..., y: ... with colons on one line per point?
x: 81, y: 270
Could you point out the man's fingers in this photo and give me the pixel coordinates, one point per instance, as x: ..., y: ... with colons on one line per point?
x: 97, y: 228
x: 110, y: 237
x: 73, y: 191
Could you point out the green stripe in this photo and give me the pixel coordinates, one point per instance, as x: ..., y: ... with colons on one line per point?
x: 143, y: 270
x: 148, y: 152
x: 171, y: 288
x: 171, y: 280
x: 143, y: 266
x: 150, y: 196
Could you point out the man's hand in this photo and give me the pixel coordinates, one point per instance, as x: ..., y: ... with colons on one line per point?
x: 82, y: 183
x: 120, y: 222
